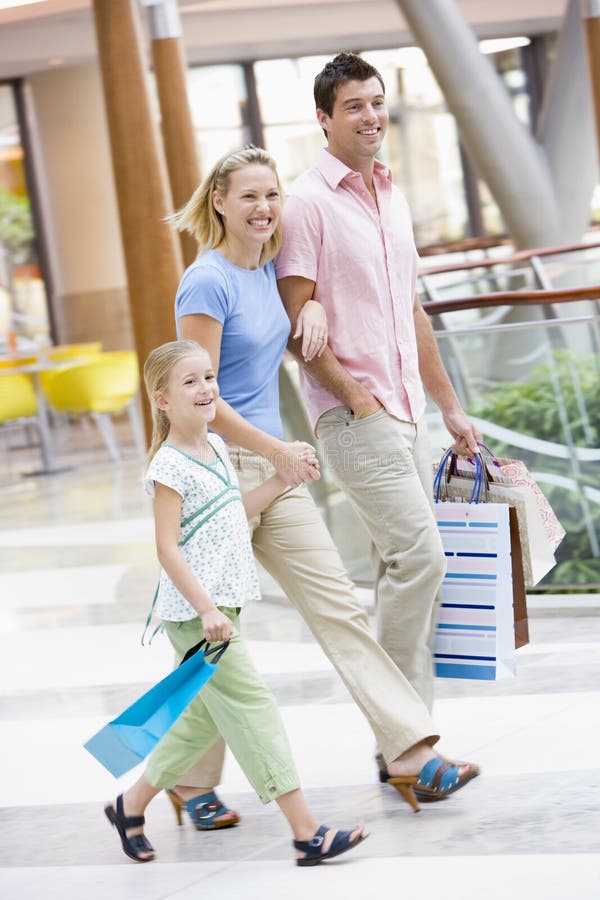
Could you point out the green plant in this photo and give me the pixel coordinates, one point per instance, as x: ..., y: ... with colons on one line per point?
x: 538, y: 406
x: 16, y: 228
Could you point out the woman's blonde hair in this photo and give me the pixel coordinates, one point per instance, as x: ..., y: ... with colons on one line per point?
x: 199, y: 216
x: 157, y: 370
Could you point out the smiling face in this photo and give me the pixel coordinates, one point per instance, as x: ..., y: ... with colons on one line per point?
x: 251, y: 208
x: 358, y: 122
x: 191, y: 393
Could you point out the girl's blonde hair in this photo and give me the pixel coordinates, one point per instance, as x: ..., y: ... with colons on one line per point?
x: 199, y: 216
x: 157, y: 370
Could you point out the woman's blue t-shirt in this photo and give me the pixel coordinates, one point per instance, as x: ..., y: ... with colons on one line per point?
x: 255, y: 332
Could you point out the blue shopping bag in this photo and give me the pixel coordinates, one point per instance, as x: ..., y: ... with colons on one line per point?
x: 125, y: 741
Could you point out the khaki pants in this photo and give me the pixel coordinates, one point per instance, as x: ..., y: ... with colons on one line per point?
x: 235, y: 703
x: 384, y: 467
x: 293, y: 544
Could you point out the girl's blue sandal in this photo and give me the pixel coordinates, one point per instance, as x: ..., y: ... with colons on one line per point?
x: 135, y: 844
x: 313, y: 848
x: 437, y: 779
x: 204, y: 810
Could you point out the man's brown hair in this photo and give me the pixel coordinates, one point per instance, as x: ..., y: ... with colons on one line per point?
x: 344, y: 67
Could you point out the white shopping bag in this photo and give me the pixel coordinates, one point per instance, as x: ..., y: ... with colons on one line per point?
x: 474, y: 636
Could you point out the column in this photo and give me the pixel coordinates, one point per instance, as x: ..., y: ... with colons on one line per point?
x: 591, y: 13
x: 152, y: 254
x: 177, y: 127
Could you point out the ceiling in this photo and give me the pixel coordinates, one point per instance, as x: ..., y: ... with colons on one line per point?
x: 52, y: 33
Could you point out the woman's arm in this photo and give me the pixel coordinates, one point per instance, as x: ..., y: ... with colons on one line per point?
x: 295, y: 461
x: 167, y: 516
x: 207, y: 332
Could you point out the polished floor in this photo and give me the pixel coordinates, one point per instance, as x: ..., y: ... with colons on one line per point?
x: 77, y: 576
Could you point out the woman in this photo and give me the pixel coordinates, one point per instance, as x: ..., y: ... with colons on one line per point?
x: 228, y: 302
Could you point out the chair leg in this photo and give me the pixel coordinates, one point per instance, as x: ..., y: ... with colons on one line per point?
x: 105, y: 427
x: 135, y: 419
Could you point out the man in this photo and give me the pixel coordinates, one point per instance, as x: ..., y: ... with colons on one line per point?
x: 348, y: 243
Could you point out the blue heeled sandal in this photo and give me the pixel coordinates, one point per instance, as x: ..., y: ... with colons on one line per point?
x: 203, y: 810
x: 340, y: 844
x: 437, y: 779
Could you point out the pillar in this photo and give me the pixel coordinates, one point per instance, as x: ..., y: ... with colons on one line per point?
x: 591, y: 14
x: 506, y: 155
x: 152, y: 254
x: 179, y: 138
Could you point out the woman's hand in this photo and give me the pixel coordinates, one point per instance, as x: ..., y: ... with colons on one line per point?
x: 312, y: 325
x: 216, y: 626
x: 296, y: 463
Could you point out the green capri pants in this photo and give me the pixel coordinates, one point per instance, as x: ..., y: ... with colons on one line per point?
x: 235, y: 703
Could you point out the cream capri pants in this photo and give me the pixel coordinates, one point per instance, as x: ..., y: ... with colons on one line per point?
x: 384, y: 467
x: 291, y: 541
x: 236, y: 704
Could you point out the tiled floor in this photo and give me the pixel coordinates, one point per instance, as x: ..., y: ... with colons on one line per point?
x: 77, y: 575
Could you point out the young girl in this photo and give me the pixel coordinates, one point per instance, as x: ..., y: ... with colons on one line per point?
x: 208, y: 574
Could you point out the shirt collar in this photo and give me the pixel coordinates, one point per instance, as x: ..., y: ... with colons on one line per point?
x: 334, y: 170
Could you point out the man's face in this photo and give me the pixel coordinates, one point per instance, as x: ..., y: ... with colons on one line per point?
x: 358, y: 122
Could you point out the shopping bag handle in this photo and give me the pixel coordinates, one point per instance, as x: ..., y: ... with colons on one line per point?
x: 492, y: 459
x: 482, y: 480
x: 215, y: 652
x: 437, y: 481
x: 489, y: 452
x: 445, y: 468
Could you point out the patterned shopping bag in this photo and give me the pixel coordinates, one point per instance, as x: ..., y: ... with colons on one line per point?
x: 515, y: 472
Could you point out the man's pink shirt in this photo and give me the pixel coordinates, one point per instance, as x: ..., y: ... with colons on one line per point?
x: 363, y: 260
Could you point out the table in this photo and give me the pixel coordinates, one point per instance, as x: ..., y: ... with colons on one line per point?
x: 46, y: 441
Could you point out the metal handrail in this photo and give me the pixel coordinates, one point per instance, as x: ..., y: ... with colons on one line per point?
x: 519, y: 256
x: 551, y: 321
x: 512, y: 298
x: 466, y: 245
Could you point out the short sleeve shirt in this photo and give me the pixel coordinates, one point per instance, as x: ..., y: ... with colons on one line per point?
x: 214, y: 536
x: 361, y: 255
x: 255, y: 331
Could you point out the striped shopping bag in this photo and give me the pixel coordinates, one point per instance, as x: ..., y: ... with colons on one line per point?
x: 475, y: 631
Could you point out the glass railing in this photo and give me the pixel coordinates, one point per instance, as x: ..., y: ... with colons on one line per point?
x: 526, y: 366
x: 533, y: 387
x: 501, y: 269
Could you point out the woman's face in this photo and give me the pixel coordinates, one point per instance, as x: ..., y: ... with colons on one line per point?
x: 251, y: 209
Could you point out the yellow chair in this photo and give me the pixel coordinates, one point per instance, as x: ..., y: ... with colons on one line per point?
x: 80, y: 352
x: 64, y: 353
x: 17, y: 398
x: 107, y: 383
x: 18, y: 403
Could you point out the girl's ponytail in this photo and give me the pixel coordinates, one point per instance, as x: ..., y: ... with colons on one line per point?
x: 160, y: 430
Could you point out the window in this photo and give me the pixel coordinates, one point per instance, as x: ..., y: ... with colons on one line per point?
x: 23, y: 306
x: 217, y: 96
x: 292, y: 134
x: 422, y: 148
